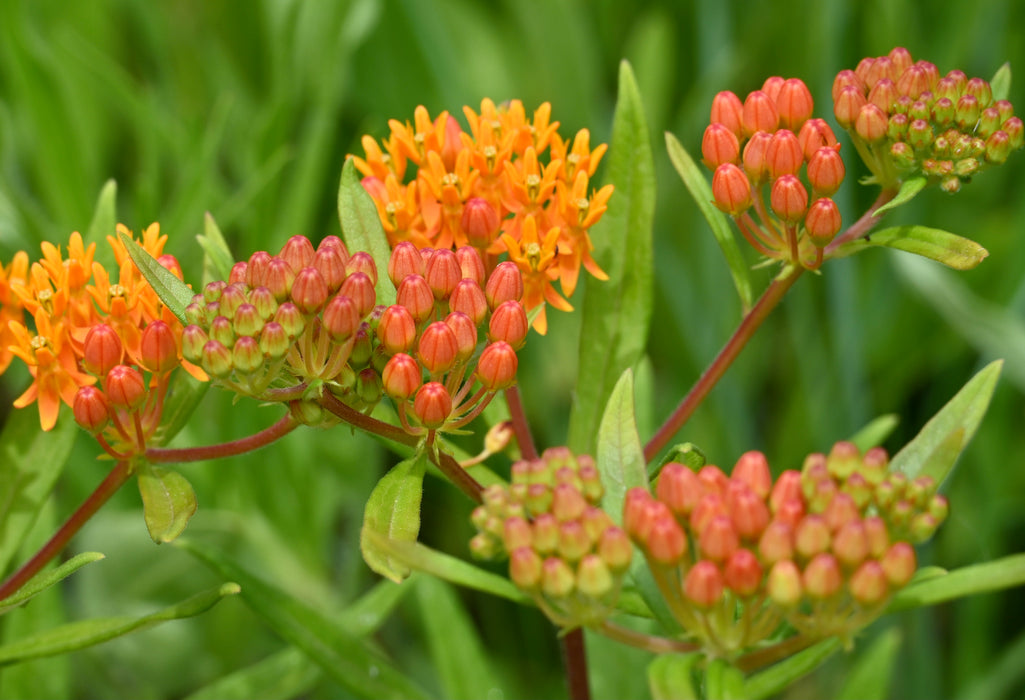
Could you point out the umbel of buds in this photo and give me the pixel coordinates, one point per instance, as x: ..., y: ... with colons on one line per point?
x: 906, y: 120
x: 770, y: 144
x: 823, y: 548
x: 563, y: 549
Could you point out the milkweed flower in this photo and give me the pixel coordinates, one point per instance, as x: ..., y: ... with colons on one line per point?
x: 480, y: 187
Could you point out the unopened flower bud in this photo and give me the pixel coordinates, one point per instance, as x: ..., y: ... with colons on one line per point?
x: 102, y: 349
x: 505, y: 283
x: 897, y: 128
x: 755, y: 166
x: 274, y: 341
x: 525, y: 568
x: 703, y: 585
x: 468, y: 298
x: 719, y: 538
x: 309, y: 290
x: 719, y: 145
x: 851, y: 544
x: 914, y: 81
x: 401, y: 377
x: 883, y: 94
x: 787, y: 486
x: 509, y: 323
x: 573, y: 539
x: 868, y: 585
x: 731, y: 189
x: 1015, y: 131
x: 847, y: 78
x: 480, y: 222
x: 466, y: 334
x: 442, y: 273
x: 567, y: 503
x: 615, y: 549
x: 822, y: 221
x: 360, y: 288
x: 247, y: 321
x: 666, y: 543
x: 557, y: 580
x: 728, y: 110
x: 998, y: 147
x: 899, y: 564
x: 742, y: 573
x: 794, y: 103
x: 980, y: 90
x: 297, y: 252
x: 125, y: 387
x: 822, y: 578
x: 777, y: 542
x: 438, y: 348
x: 880, y: 69
x: 496, y: 367
x: 841, y: 510
x: 405, y: 260
x: 246, y: 355
x: 361, y: 261
x: 330, y: 261
x: 847, y: 105
x: 546, y: 532
x: 871, y: 123
x: 290, y: 318
x: 784, y: 584
x: 784, y: 155
x: 760, y: 113
x: 811, y: 536
x: 923, y: 527
x: 678, y: 487
x: 593, y: 577
x: 91, y: 409
x: 470, y: 264
x: 396, y: 330
x: 789, y: 199
x: 193, y: 340
x: 256, y: 269
x: 280, y: 276
x: 432, y: 405
x: 826, y: 171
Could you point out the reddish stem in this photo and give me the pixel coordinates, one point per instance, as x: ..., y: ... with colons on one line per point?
x: 521, y: 428
x: 107, y: 488
x: 574, y: 655
x: 863, y: 225
x: 162, y: 455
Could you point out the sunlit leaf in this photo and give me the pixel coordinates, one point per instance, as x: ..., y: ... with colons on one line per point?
x: 1000, y: 84
x: 617, y: 312
x: 172, y: 291
x: 393, y: 513
x: 699, y: 189
x: 168, y: 502
x: 908, y: 190
x: 620, y: 459
x: 362, y: 230
x: 937, y: 446
x: 86, y: 633
x: 954, y: 251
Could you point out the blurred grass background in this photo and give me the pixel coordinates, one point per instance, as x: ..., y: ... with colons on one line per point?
x: 247, y: 110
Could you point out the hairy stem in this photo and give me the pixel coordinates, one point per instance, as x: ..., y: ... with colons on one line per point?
x: 161, y: 455
x: 56, y: 544
x: 749, y: 324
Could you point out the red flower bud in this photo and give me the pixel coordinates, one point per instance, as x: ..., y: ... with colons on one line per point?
x: 330, y: 261
x: 567, y: 502
x: 847, y: 78
x: 755, y: 165
x: 811, y: 536
x: 822, y: 221
x: 614, y: 548
x: 914, y: 81
x: 678, y: 487
x: 341, y: 318
x: 794, y: 103
x: 728, y: 111
x: 742, y: 573
x: 868, y: 584
x: 789, y: 199
x: 297, y: 252
x: 125, y: 387
x: 362, y: 262
x: 772, y: 86
x: 822, y: 577
x: 415, y: 294
x: 290, y: 318
x: 360, y: 288
x: 256, y: 269
x: 158, y: 348
x: 573, y: 540
x: 719, y: 145
x: 432, y: 405
x: 470, y: 264
x: 666, y: 543
x: 171, y: 264
x: 881, y: 69
x: 405, y: 260
x: 759, y: 114
x: 901, y: 59
x: 91, y: 409
x: 777, y: 542
x: 871, y: 123
x: 442, y: 273
x: 479, y: 222
x: 783, y: 155
x: 438, y: 348
x: 216, y: 359
x: 847, y: 106
x: 703, y: 585
x: 504, y: 283
x: 397, y: 329
x: 509, y: 323
x: 401, y: 377
x: 731, y: 189
x: 279, y: 278
x: 980, y: 90
x: 468, y: 298
x: 851, y: 544
x: 749, y: 513
x: 719, y: 538
x: 826, y: 171
x: 102, y: 349
x: 788, y: 486
x: 309, y: 290
x: 496, y: 368
x: 753, y: 469
x: 466, y: 334
x: 815, y: 134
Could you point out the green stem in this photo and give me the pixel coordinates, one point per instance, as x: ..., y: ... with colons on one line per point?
x: 749, y: 324
x: 56, y: 544
x: 158, y: 455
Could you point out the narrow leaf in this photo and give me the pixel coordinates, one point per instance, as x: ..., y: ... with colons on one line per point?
x: 617, y: 312
x: 780, y: 676
x: 871, y: 676
x: 218, y: 260
x: 937, y: 446
x: 944, y: 247
x: 40, y: 582
x: 671, y: 677
x: 876, y: 432
x: 996, y: 575
x: 367, y: 613
x: 87, y: 633
x: 620, y: 458
x: 172, y: 291
x: 393, y: 513
x: 418, y: 557
x: 700, y: 190
x: 103, y: 224
x: 281, y: 676
x: 908, y: 190
x: 361, y: 228
x: 724, y: 681
x: 350, y: 662
x: 30, y: 461
x: 1001, y: 82
x: 168, y: 502
x: 456, y: 650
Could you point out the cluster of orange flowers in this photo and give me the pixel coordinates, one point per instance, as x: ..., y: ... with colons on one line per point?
x: 48, y: 308
x: 488, y: 188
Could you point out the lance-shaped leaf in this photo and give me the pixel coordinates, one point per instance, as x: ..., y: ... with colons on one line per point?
x: 175, y: 294
x: 870, y: 677
x: 671, y: 677
x: 86, y: 633
x: 217, y: 258
x: 30, y: 461
x: 1000, y: 84
x: 393, y: 513
x: 699, y: 189
x: 354, y: 664
x: 168, y: 502
x: 944, y: 247
x: 996, y: 575
x: 908, y: 190
x: 620, y: 459
x: 936, y: 448
x: 43, y: 580
x: 782, y: 675
x: 876, y: 432
x: 361, y: 228
x: 617, y: 312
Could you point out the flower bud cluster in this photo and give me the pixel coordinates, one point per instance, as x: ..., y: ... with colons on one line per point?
x: 822, y: 548
x: 490, y: 188
x: 563, y: 549
x: 908, y: 120
x: 770, y: 143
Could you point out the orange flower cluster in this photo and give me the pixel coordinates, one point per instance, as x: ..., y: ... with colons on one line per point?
x: 67, y: 298
x: 769, y: 141
x: 438, y: 186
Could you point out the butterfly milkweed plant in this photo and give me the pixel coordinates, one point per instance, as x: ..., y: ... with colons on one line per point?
x: 473, y: 243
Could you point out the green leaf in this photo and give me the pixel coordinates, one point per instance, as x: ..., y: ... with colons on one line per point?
x: 671, y: 677
x: 780, y: 676
x: 172, y: 291
x: 281, y: 676
x: 617, y: 313
x: 418, y: 557
x: 218, y: 260
x: 41, y: 581
x: 723, y: 681
x: 393, y: 513
x: 996, y: 575
x: 684, y: 453
x: 103, y: 224
x: 1001, y: 82
x: 350, y: 662
x: 168, y: 502
x: 87, y: 633
x: 620, y: 458
x: 30, y: 461
x: 944, y: 247
x: 456, y: 650
x: 182, y: 399
x: 367, y: 613
x: 872, y: 674
x: 876, y: 432
x: 700, y: 190
x: 908, y: 190
x: 361, y: 228
x: 937, y: 446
